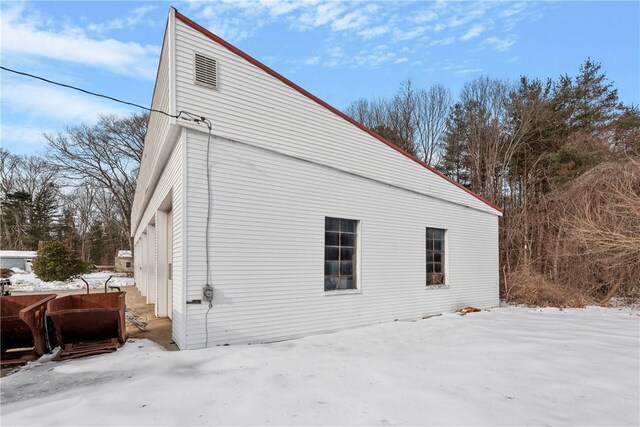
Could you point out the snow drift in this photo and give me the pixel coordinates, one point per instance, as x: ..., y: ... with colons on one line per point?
x: 508, y: 366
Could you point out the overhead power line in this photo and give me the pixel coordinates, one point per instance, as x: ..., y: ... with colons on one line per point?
x: 185, y: 115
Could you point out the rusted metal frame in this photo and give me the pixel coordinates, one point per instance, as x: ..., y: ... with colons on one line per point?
x: 17, y: 358
x: 105, y: 284
x: 74, y: 351
x: 72, y: 313
x: 86, y: 283
x: 23, y: 328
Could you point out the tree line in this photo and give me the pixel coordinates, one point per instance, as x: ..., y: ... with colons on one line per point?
x: 560, y: 156
x: 80, y: 192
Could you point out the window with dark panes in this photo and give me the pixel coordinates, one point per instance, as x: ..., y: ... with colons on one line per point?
x: 340, y: 237
x: 435, y: 256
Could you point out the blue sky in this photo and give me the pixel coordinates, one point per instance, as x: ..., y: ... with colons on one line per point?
x: 340, y: 51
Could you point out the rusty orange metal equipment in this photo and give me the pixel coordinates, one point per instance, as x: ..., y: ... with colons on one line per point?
x: 22, y: 327
x: 88, y: 324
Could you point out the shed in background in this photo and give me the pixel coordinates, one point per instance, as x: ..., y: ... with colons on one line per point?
x: 17, y: 259
x: 124, y: 262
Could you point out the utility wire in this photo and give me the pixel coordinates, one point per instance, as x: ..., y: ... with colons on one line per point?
x: 187, y: 116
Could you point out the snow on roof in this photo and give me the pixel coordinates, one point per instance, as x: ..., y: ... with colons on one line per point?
x: 18, y: 254
x: 124, y: 254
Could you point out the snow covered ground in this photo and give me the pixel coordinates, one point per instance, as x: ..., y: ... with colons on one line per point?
x: 28, y: 282
x: 509, y: 366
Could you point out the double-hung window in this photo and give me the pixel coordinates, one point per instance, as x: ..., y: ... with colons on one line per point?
x: 435, y: 256
x: 340, y: 253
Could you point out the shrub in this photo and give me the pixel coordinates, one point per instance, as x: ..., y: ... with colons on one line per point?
x: 533, y: 289
x: 56, y: 262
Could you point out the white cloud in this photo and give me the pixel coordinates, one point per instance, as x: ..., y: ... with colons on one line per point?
x: 443, y: 42
x: 323, y: 14
x: 410, y: 34
x: 19, y: 138
x: 463, y: 17
x: 51, y: 103
x: 473, y: 32
x: 439, y: 27
x: 365, y: 58
x: 350, y: 21
x: 277, y: 7
x: 468, y: 71
x: 500, y: 44
x: 312, y: 61
x: 515, y: 9
x: 417, y: 24
x: 424, y: 16
x: 370, y: 33
x: 134, y: 17
x: 27, y: 36
x: 231, y: 27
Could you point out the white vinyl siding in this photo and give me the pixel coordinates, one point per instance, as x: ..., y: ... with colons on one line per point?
x: 170, y: 183
x: 254, y: 106
x: 281, y: 163
x: 267, y: 248
x: 157, y: 135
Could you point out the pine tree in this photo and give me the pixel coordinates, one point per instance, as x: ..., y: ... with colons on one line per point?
x: 590, y: 102
x: 454, y: 161
x: 98, y: 249
x: 43, y: 212
x: 16, y: 208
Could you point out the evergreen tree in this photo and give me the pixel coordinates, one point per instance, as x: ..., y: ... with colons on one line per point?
x: 98, y: 244
x: 56, y: 262
x: 454, y: 161
x: 594, y: 99
x: 16, y: 209
x: 43, y: 214
x: 66, y: 229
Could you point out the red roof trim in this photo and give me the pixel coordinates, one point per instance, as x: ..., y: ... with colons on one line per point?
x: 289, y: 83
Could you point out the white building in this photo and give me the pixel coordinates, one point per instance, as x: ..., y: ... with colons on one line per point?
x: 17, y: 259
x: 315, y: 223
x: 123, y: 262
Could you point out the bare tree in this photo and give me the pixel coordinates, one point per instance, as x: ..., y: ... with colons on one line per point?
x: 401, y: 116
x: 484, y: 104
x: 29, y: 190
x: 431, y: 112
x: 602, y: 220
x: 107, y: 154
x: 83, y: 201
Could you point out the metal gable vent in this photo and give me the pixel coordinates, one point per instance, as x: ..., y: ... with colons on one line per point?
x: 205, y: 71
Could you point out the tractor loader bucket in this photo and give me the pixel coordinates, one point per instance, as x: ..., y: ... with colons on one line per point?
x: 89, y: 324
x: 22, y: 328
